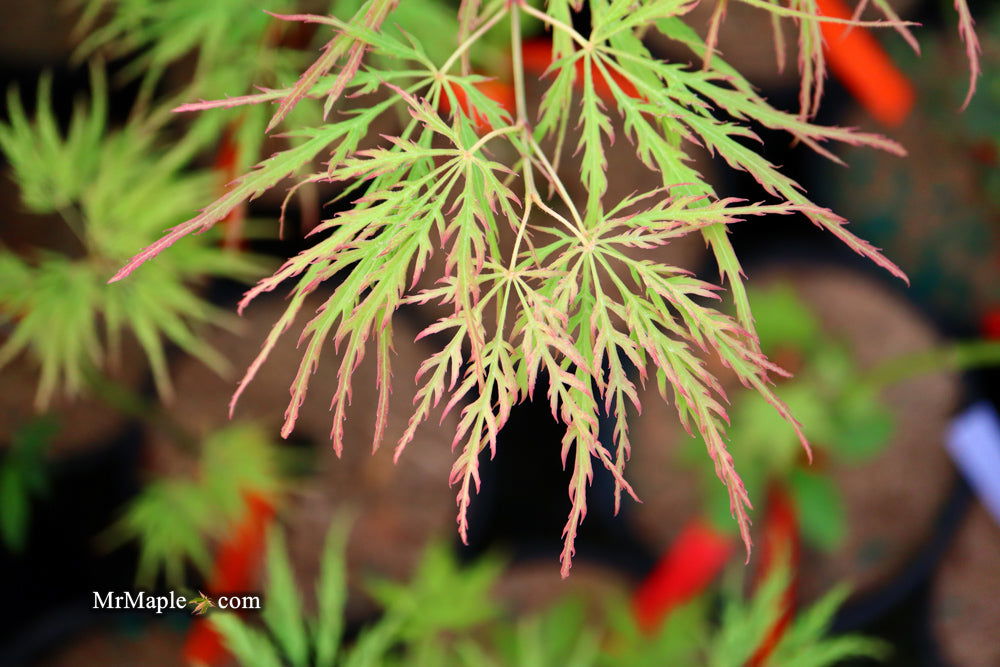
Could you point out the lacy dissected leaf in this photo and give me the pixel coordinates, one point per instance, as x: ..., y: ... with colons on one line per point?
x: 156, y: 35
x: 234, y: 46
x: 465, y: 208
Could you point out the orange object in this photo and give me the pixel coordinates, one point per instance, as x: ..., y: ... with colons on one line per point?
x: 781, y: 546
x: 537, y: 57
x: 227, y: 159
x: 689, y: 566
x: 862, y: 65
x: 235, y: 570
x: 498, y: 91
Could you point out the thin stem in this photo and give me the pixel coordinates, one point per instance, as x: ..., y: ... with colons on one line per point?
x: 520, y: 105
x: 573, y: 228
x: 555, y: 180
x: 466, y: 21
x: 956, y: 357
x: 517, y: 57
x: 493, y: 135
x: 556, y: 23
x: 531, y: 191
x: 521, y: 111
x: 473, y: 38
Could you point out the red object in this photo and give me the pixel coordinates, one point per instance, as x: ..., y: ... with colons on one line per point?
x: 537, y: 56
x: 991, y: 325
x: 781, y: 547
x: 498, y: 91
x: 692, y: 562
x: 862, y: 65
x: 236, y: 564
x: 226, y: 162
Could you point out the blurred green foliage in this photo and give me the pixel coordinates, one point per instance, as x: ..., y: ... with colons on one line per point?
x: 175, y: 520
x: 115, y: 190
x: 23, y: 476
x: 839, y: 404
x: 446, y: 615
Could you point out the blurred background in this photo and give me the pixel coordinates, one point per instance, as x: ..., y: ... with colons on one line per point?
x: 120, y: 468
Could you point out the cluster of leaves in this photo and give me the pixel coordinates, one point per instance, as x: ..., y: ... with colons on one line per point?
x: 174, y: 520
x: 445, y: 616
x: 114, y: 189
x: 23, y: 477
x: 539, y: 285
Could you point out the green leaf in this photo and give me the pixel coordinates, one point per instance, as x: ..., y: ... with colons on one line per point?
x: 283, y: 612
x: 864, y: 427
x: 235, y: 460
x: 251, y: 647
x: 331, y: 596
x: 807, y: 644
x: 23, y: 478
x: 115, y: 190
x: 820, y: 509
x: 783, y: 319
x: 442, y: 596
x: 169, y: 520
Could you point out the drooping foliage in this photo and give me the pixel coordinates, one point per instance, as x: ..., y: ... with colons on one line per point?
x: 542, y: 289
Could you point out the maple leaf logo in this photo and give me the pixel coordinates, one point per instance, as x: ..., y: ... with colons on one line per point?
x: 202, y: 603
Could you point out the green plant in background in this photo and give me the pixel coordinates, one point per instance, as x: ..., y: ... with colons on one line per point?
x: 691, y: 635
x: 231, y: 45
x: 112, y: 189
x: 175, y: 520
x: 23, y: 477
x: 572, y: 298
x: 445, y: 616
x: 442, y: 598
x: 842, y: 416
x: 840, y: 404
